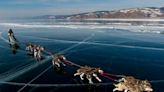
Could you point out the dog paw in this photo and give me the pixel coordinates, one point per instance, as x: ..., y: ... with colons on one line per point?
x: 100, y: 80
x: 82, y: 78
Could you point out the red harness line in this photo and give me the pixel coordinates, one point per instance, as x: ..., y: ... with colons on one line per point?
x: 114, y: 75
x: 110, y: 78
x: 48, y: 52
x: 106, y: 75
x: 71, y: 63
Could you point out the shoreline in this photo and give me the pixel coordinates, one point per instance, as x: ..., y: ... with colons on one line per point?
x: 127, y: 19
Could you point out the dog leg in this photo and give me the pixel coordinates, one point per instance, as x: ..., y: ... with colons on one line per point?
x: 95, y: 75
x: 63, y: 64
x: 53, y: 63
x: 126, y: 90
x: 76, y: 74
x: 57, y: 64
x: 35, y: 54
x: 89, y: 79
x: 81, y: 76
x: 117, y: 89
x: 39, y: 57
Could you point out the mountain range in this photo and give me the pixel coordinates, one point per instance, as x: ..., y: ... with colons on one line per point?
x: 138, y: 13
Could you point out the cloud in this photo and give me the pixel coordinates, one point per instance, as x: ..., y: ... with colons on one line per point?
x: 43, y: 11
x: 43, y: 1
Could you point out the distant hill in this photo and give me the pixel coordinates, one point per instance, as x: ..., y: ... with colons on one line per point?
x: 147, y: 12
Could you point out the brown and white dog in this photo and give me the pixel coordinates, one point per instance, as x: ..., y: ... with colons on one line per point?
x: 30, y: 49
x: 89, y: 72
x: 38, y: 52
x: 58, y: 59
x: 130, y: 84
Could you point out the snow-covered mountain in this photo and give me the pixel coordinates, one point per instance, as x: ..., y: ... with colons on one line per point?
x: 147, y: 12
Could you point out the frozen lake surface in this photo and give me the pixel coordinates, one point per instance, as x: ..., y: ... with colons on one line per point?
x: 118, y: 51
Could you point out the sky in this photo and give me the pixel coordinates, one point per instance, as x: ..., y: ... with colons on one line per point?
x: 28, y: 8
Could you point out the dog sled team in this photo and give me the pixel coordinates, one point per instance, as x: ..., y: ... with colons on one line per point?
x: 126, y: 84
